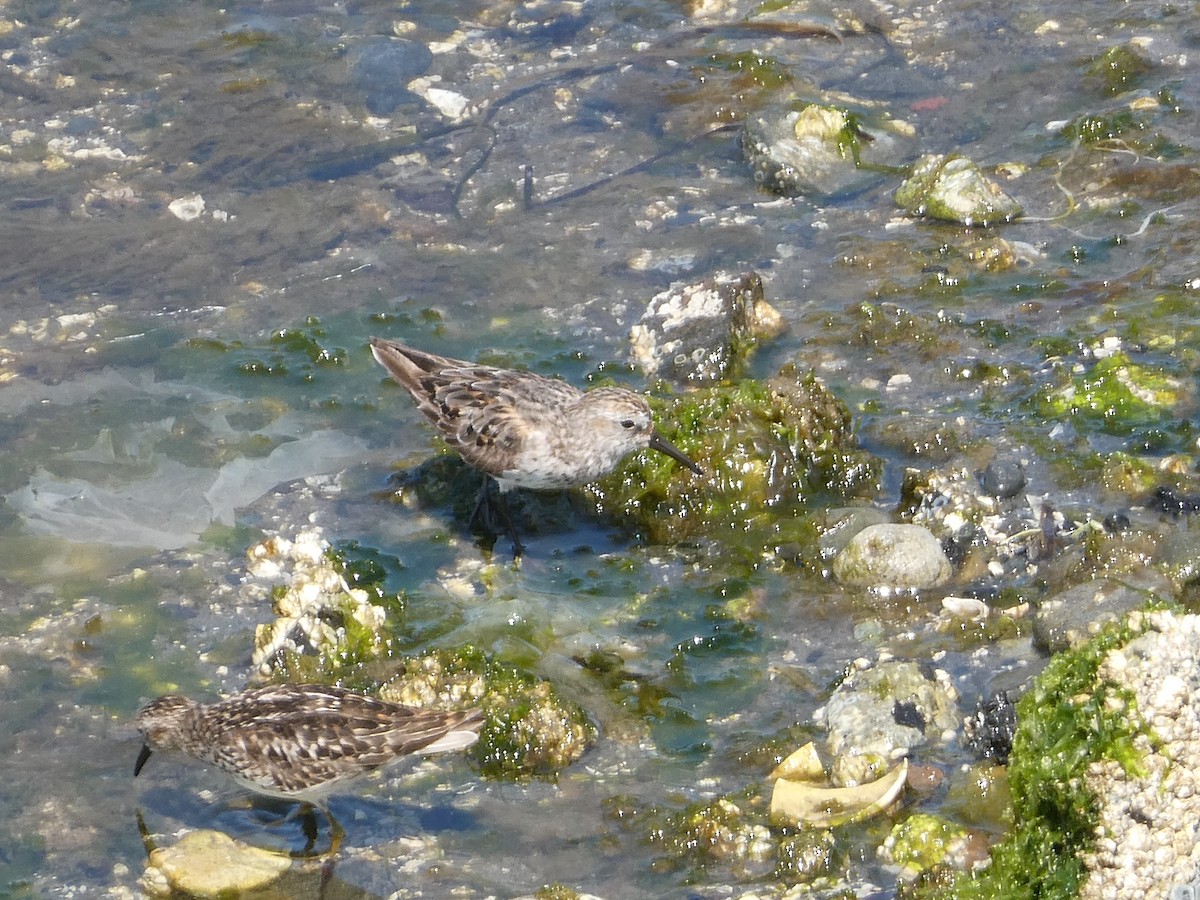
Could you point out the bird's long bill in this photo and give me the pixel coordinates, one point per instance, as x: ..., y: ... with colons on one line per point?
x: 141, y: 760
x: 662, y: 445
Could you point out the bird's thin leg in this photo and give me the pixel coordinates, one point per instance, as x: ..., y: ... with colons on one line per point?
x: 489, y: 509
x: 308, y: 822
x: 336, y: 835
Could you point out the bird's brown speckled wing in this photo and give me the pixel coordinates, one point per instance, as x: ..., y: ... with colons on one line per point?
x: 482, y: 412
x: 289, y: 740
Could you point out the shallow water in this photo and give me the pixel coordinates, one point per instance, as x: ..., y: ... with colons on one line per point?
x: 169, y: 384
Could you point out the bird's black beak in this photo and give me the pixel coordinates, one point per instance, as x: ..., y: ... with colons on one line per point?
x: 141, y: 760
x: 662, y: 445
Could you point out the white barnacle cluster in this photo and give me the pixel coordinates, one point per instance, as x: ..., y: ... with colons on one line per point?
x: 1145, y: 840
x: 312, y: 601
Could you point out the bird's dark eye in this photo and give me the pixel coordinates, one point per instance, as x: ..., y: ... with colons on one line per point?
x: 628, y: 423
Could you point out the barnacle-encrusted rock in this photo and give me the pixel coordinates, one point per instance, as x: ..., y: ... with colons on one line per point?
x: 700, y: 333
x: 1103, y: 770
x: 317, y: 612
x: 1145, y: 839
x: 528, y: 731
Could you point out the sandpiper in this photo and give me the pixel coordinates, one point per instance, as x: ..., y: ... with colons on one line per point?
x: 299, y: 741
x: 521, y: 429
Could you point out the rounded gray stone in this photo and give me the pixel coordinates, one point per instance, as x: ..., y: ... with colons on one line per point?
x: 892, y: 556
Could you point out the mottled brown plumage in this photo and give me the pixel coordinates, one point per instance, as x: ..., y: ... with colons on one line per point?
x: 299, y: 741
x: 522, y: 429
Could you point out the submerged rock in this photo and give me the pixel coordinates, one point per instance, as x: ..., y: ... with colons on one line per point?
x: 211, y: 864
x: 989, y: 732
x: 923, y: 841
x: 701, y: 333
x: 816, y: 150
x: 1071, y: 617
x: 954, y: 189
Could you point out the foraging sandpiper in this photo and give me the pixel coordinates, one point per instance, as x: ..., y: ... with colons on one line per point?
x: 299, y: 741
x: 521, y: 429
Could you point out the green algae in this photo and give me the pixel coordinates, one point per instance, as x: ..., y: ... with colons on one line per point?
x: 733, y: 833
x: 1122, y: 128
x: 752, y: 69
x: 1117, y: 69
x: 1116, y: 396
x: 294, y: 354
x: 1068, y: 720
x: 769, y: 450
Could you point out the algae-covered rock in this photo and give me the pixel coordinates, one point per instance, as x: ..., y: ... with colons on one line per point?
x: 528, y: 730
x: 732, y: 829
x: 1118, y: 69
x: 1116, y: 396
x: 767, y: 449
x: 954, y: 189
x: 703, y: 333
x: 923, y: 841
x: 725, y: 831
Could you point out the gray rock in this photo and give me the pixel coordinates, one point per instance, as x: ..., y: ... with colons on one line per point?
x: 899, y: 557
x: 1070, y: 617
x: 881, y: 711
x: 954, y: 189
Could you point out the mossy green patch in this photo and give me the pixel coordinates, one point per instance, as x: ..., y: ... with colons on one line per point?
x: 1123, y: 127
x: 768, y: 449
x: 1116, y: 396
x: 295, y: 354
x: 753, y: 68
x: 1118, y: 69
